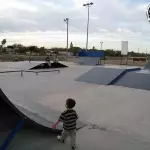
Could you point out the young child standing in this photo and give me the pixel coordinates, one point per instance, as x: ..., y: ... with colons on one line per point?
x: 69, y: 118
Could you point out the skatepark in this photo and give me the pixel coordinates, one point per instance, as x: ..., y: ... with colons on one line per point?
x: 112, y: 104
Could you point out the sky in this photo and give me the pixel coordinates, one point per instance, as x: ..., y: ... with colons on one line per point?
x: 40, y: 22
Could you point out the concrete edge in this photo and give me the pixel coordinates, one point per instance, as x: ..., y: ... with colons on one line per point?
x: 123, y: 74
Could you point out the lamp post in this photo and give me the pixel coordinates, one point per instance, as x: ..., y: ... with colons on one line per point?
x: 66, y: 20
x: 88, y: 5
x: 101, y: 45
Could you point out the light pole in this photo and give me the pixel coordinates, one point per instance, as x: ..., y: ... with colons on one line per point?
x: 88, y: 5
x: 101, y: 45
x: 138, y: 52
x: 67, y: 22
x: 148, y: 13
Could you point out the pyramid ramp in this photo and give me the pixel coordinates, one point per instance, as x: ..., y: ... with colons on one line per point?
x: 100, y: 75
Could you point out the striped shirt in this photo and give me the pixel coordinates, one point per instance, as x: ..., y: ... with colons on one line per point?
x: 69, y: 118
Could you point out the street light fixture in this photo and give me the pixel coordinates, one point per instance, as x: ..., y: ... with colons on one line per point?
x: 66, y: 20
x: 88, y: 5
x: 101, y: 45
x: 148, y: 13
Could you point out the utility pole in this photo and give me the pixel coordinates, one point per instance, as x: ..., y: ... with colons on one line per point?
x: 101, y: 45
x: 148, y: 13
x: 88, y: 5
x: 66, y: 20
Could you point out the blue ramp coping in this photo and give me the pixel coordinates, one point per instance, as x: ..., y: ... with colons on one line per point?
x: 10, y: 137
x: 122, y: 74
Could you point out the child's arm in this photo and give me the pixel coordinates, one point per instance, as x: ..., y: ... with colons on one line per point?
x: 55, y: 125
x: 61, y: 119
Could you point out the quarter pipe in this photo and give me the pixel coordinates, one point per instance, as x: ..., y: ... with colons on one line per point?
x: 15, y: 118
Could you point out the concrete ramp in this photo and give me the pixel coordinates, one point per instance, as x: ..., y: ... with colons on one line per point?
x: 30, y: 116
x: 135, y: 80
x: 47, y: 66
x: 14, y: 118
x: 100, y: 75
x: 147, y: 66
x: 89, y: 61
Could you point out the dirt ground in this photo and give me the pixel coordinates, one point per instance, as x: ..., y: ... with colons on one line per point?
x: 129, y: 63
x: 116, y: 61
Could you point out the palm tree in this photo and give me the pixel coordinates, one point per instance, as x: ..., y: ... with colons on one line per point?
x: 3, y: 42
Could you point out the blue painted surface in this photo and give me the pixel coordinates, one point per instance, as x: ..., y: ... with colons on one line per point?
x: 91, y: 54
x: 135, y: 80
x: 100, y: 75
x: 12, y: 135
x: 122, y: 74
x: 105, y: 76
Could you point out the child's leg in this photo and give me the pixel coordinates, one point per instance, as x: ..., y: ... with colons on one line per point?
x: 73, y: 137
x: 64, y: 135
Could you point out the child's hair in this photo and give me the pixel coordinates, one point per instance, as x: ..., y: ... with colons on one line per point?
x: 70, y: 103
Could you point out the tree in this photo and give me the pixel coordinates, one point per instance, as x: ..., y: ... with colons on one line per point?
x: 42, y: 51
x: 3, y: 42
x: 75, y: 50
x: 93, y: 48
x: 32, y: 49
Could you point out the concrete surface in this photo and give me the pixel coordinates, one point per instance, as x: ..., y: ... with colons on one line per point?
x: 147, y: 66
x: 123, y: 114
x: 87, y: 139
x: 90, y: 61
x: 24, y: 65
x: 11, y: 113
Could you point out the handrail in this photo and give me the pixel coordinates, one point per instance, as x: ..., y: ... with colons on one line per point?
x: 36, y: 72
x: 41, y: 71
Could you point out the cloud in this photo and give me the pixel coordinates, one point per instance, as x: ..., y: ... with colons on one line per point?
x: 15, y: 4
x: 113, y: 20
